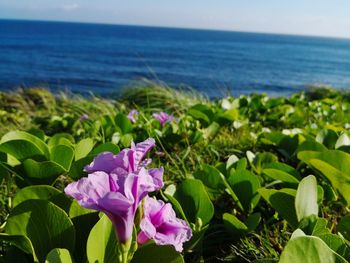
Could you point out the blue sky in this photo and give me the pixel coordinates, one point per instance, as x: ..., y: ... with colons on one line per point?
x: 306, y: 17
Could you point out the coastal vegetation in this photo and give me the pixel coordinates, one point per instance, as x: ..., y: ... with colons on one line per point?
x: 251, y: 178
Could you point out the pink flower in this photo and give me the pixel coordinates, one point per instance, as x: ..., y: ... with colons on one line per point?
x: 128, y: 160
x: 163, y: 117
x: 161, y: 224
x: 117, y: 184
x: 84, y: 117
x: 133, y: 115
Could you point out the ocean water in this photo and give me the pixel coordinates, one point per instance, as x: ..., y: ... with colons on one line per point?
x: 107, y: 58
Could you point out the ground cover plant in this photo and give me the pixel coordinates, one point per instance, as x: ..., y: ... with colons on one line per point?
x: 239, y: 179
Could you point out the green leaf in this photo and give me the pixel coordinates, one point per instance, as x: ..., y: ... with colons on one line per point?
x: 59, y: 255
x: 123, y: 123
x: 320, y: 227
x: 281, y: 176
x: 288, y: 145
x: 106, y: 147
x: 327, y: 137
x: 231, y: 114
x: 284, y: 168
x: 234, y: 225
x: 306, y: 198
x: 337, y: 244
x: 61, y: 139
x: 37, y: 132
x: 261, y: 160
x: 344, y: 227
x: 23, y: 145
x: 43, y: 192
x: 211, y: 131
x: 15, y: 255
x: 194, y: 201
x: 102, y: 242
x: 126, y: 139
x: 157, y: 254
x: 176, y: 205
x: 266, y: 260
x: 46, y: 225
x: 83, y: 148
x: 309, y: 249
x: 21, y: 242
x: 283, y: 202
x: 245, y: 185
x: 41, y: 172
x: 339, y: 180
x: 210, y: 177
x: 253, y: 221
x: 83, y: 220
x: 311, y: 145
x: 202, y: 113
x: 62, y: 155
x: 333, y: 164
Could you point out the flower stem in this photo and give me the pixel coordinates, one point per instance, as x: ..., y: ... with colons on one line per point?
x: 124, y: 257
x: 124, y: 251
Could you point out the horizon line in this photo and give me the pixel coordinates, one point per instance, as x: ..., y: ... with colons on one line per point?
x: 178, y: 27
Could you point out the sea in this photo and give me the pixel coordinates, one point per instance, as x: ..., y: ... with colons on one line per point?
x: 106, y: 59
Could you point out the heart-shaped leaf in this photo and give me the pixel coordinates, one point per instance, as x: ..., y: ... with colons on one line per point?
x: 43, y: 192
x: 102, y: 242
x: 157, y: 254
x: 46, y: 225
x: 281, y: 176
x: 333, y: 164
x: 59, y: 255
x: 344, y: 227
x: 194, y: 201
x: 83, y: 148
x: 23, y: 145
x: 245, y: 185
x: 283, y: 202
x: 309, y: 249
x: 123, y: 123
x: 62, y: 155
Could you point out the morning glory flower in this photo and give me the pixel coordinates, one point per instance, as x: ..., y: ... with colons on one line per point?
x: 161, y: 224
x: 163, y: 117
x: 117, y: 184
x: 128, y: 160
x: 84, y: 117
x: 132, y: 116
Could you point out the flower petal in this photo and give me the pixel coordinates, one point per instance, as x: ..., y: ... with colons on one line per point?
x: 170, y: 230
x: 88, y: 190
x: 105, y: 162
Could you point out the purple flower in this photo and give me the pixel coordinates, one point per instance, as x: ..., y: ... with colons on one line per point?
x: 161, y: 224
x: 132, y: 116
x: 84, y: 117
x: 128, y: 160
x: 117, y: 184
x: 163, y: 117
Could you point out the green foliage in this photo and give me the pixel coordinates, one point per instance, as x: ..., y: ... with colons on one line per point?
x: 333, y: 165
x: 283, y: 202
x: 102, y: 242
x: 59, y: 255
x: 45, y: 226
x: 236, y: 169
x: 194, y: 201
x: 309, y: 249
x: 154, y: 253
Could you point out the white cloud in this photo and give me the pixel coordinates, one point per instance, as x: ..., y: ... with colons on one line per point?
x: 70, y: 7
